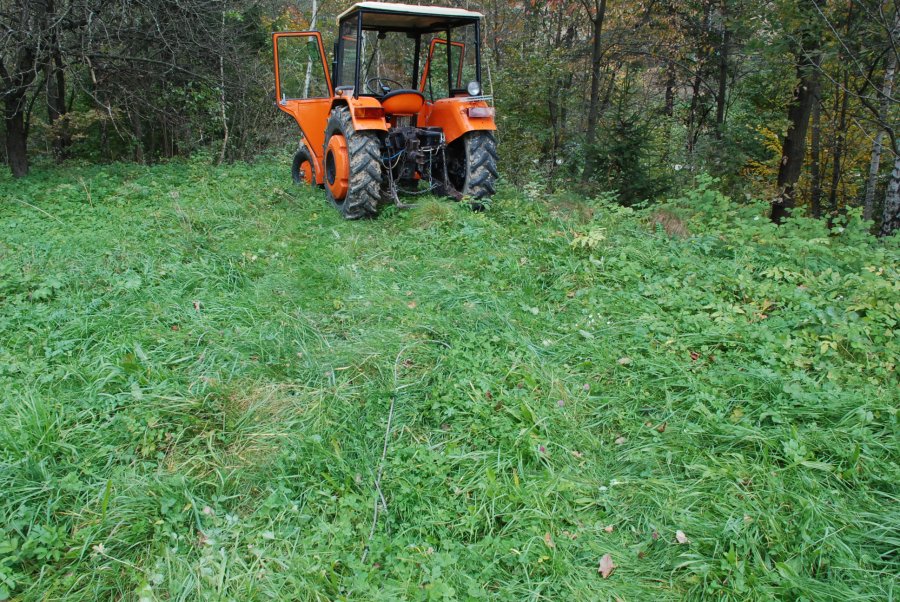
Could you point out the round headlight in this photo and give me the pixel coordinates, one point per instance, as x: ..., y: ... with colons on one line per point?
x: 474, y: 88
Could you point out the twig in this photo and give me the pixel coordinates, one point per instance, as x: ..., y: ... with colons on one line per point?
x: 87, y: 191
x: 384, y: 449
x: 41, y: 210
x: 387, y: 434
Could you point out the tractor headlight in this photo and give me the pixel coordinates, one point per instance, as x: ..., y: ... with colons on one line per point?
x: 474, y: 88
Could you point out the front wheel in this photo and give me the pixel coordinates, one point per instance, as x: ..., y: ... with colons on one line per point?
x: 472, y: 164
x: 302, y: 170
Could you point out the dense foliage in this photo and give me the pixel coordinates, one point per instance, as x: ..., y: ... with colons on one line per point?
x: 197, y: 366
x: 784, y: 100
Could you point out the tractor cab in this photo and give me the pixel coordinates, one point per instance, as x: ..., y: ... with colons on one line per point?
x: 389, y: 50
x: 400, y: 103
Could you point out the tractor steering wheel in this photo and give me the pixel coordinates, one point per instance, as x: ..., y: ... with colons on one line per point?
x: 381, y: 81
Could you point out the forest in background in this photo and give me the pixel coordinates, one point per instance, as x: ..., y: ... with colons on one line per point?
x: 790, y: 101
x: 620, y: 381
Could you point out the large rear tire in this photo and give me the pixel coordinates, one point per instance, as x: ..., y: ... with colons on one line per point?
x: 472, y: 164
x: 363, y: 161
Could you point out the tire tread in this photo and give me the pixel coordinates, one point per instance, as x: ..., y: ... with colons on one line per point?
x: 364, y: 149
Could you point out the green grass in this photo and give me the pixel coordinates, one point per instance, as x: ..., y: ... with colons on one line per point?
x: 197, y: 365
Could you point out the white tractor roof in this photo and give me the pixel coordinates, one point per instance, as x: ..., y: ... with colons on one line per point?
x: 412, y: 10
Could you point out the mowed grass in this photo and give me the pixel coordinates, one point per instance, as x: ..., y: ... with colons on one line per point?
x: 197, y: 366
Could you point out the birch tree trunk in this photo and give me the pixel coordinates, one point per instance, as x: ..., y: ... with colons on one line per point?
x: 222, y: 90
x: 878, y: 143
x: 890, y: 217
x: 312, y: 26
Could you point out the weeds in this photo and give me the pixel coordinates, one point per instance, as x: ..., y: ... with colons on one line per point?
x: 197, y: 364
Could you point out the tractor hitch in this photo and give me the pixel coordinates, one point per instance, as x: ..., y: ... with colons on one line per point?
x: 412, y: 151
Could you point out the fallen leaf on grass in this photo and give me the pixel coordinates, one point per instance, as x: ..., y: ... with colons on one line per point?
x: 624, y: 361
x: 411, y: 305
x: 607, y: 566
x: 680, y: 537
x: 661, y: 428
x: 549, y: 540
x: 620, y: 440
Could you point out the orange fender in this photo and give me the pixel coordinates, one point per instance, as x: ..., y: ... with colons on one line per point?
x: 452, y: 115
x: 311, y: 116
x: 365, y: 111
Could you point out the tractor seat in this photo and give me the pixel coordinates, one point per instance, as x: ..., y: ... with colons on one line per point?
x: 402, y: 102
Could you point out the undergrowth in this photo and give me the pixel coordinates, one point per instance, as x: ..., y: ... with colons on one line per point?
x: 196, y: 366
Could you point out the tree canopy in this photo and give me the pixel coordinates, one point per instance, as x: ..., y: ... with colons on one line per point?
x: 790, y: 101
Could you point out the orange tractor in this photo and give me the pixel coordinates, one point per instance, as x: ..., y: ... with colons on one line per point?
x: 401, y: 108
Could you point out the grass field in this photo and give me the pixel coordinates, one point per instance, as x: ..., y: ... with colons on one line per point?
x: 197, y: 367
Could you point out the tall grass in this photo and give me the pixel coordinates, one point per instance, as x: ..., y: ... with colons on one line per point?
x: 196, y: 366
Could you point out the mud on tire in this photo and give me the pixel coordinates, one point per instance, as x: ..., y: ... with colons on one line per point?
x: 364, y: 150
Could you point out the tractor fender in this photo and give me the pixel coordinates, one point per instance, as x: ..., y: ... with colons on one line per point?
x: 452, y: 115
x: 315, y: 157
x: 365, y: 111
x: 311, y: 116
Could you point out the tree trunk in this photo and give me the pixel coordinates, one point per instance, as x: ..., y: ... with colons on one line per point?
x: 878, y: 143
x: 590, y: 164
x: 309, y: 60
x: 14, y: 88
x: 670, y: 90
x: 137, y: 129
x: 723, y: 78
x: 890, y: 217
x: 793, y: 148
x: 553, y: 114
x: 815, y: 168
x: 56, y: 107
x: 692, y: 116
x: 222, y: 104
x: 838, y: 149
x: 56, y: 93
x: 16, y: 135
